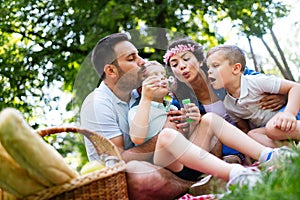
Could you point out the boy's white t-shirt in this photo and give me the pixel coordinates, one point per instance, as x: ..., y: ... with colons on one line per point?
x: 253, y: 89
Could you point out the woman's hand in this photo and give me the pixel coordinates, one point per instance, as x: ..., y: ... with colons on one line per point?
x: 178, y: 117
x: 192, y: 115
x: 192, y: 112
x: 272, y: 101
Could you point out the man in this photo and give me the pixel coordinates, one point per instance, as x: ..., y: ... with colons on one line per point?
x: 104, y: 111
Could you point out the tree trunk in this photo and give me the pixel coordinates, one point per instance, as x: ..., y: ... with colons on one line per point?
x: 287, y: 69
x: 253, y: 55
x: 275, y: 59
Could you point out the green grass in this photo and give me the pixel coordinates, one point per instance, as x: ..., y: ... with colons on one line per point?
x: 282, y: 183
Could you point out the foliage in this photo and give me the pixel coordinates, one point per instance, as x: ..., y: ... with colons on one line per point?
x: 42, y: 41
x: 46, y: 41
x: 292, y: 46
x: 282, y: 183
x: 261, y: 13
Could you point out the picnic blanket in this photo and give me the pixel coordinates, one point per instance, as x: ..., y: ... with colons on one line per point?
x: 201, y: 197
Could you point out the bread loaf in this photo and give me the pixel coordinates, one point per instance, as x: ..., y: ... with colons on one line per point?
x: 31, y: 152
x: 14, y: 179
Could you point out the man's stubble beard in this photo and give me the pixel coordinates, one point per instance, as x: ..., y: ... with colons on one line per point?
x: 128, y: 80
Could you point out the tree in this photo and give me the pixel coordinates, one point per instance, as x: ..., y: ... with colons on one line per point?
x: 257, y: 21
x: 47, y: 41
x: 42, y: 41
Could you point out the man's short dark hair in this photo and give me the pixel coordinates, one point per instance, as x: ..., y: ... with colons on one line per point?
x: 104, y: 53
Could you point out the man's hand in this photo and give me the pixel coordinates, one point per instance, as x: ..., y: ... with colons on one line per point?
x: 272, y: 101
x: 170, y: 124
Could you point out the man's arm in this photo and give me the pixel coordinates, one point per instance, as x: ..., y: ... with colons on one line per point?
x: 100, y: 114
x: 143, y: 152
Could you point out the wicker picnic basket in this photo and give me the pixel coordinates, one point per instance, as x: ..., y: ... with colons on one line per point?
x: 109, y: 183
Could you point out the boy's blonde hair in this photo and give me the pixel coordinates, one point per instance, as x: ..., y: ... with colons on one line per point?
x: 231, y: 53
x: 153, y: 62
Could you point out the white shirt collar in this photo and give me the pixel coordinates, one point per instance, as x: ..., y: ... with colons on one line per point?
x: 244, y: 87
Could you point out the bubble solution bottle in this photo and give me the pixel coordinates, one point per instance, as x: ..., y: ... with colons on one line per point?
x: 185, y: 103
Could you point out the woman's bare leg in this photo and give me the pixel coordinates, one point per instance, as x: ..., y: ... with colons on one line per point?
x: 213, y: 125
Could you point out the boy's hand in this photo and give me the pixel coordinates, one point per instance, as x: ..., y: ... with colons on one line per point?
x: 285, y: 121
x: 149, y: 86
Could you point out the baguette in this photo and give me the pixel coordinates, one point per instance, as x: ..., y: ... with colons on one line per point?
x: 14, y: 179
x: 31, y: 152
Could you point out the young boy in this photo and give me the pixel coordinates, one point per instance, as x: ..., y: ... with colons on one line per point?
x: 226, y: 65
x: 187, y: 154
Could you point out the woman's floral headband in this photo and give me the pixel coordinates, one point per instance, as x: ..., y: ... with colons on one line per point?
x: 177, y: 49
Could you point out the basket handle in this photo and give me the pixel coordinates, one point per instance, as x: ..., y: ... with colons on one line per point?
x: 101, y: 144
